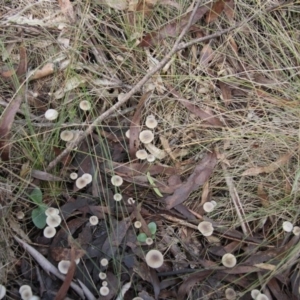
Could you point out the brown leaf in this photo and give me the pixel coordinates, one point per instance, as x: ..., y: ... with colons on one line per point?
x: 229, y: 10
x: 172, y: 29
x: 226, y: 93
x: 67, y: 9
x: 206, y: 55
x: 215, y: 11
x: 199, y: 176
x: 46, y: 70
x: 60, y: 253
x: 263, y: 196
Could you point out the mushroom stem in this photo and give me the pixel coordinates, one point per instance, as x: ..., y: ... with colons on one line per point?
x: 158, y: 153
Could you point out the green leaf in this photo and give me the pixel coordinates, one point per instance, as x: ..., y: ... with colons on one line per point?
x: 152, y: 227
x: 38, y: 217
x: 151, y: 181
x: 142, y: 237
x: 36, y: 196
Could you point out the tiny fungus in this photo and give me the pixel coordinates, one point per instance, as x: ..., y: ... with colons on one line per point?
x: 51, y: 114
x: 63, y: 266
x: 296, y: 230
x: 67, y: 135
x: 230, y: 294
x: 254, y: 293
x: 104, y: 262
x: 158, y: 153
x: 94, y: 220
x: 24, y: 287
x: 87, y: 177
x: 25, y: 292
x: 117, y: 197
x: 49, y: 232
x: 228, y: 260
x: 154, y: 259
x: 104, y: 291
x: 137, y: 298
x: 262, y: 297
x: 53, y: 220
x: 146, y: 136
x: 208, y: 207
x: 20, y: 215
x: 214, y: 203
x: 51, y: 211
x: 73, y: 175
x: 287, y: 226
x: 2, y: 291
x: 150, y: 158
x: 206, y: 228
x: 116, y: 180
x: 81, y: 183
x: 104, y: 283
x: 127, y: 133
x: 85, y: 105
x: 141, y: 154
x: 130, y: 201
x: 102, y: 275
x: 149, y: 241
x: 151, y: 122
x: 137, y: 224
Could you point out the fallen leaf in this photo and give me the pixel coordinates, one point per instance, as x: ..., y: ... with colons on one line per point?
x: 226, y: 93
x: 229, y: 10
x: 215, y: 11
x: 117, y: 4
x: 206, y: 55
x: 67, y: 9
x: 60, y: 253
x: 46, y: 70
x: 44, y: 176
x: 199, y: 176
x: 263, y: 196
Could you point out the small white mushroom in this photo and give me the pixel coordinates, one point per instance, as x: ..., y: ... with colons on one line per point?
x: 34, y: 298
x: 262, y: 297
x: 141, y: 154
x: 117, y: 197
x: 94, y: 220
x: 287, y: 226
x: 24, y: 287
x: 26, y: 294
x: 20, y: 216
x: 104, y: 262
x: 104, y: 291
x: 254, y: 293
x: 151, y: 122
x: 2, y: 291
x: 53, y: 221
x: 51, y: 114
x: 149, y: 241
x: 208, y: 207
x: 63, y: 266
x: 230, y: 294
x: 88, y: 177
x: 206, y: 228
x: 81, y: 183
x: 296, y: 230
x: 49, y: 232
x: 146, y: 136
x: 150, y: 158
x: 154, y: 259
x: 116, y: 180
x: 137, y: 298
x: 85, y: 105
x: 73, y: 175
x: 127, y: 133
x: 104, y: 283
x: 158, y: 153
x: 228, y: 260
x: 137, y: 224
x: 130, y: 201
x: 67, y: 135
x: 102, y: 275
x: 214, y: 203
x: 51, y: 211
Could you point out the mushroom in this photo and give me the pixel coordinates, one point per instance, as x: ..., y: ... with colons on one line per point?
x: 208, y: 207
x: 154, y: 259
x: 137, y: 298
x: 228, y: 260
x: 117, y: 197
x: 51, y: 211
x: 149, y: 241
x: 141, y: 154
x: 262, y: 297
x: 94, y: 220
x: 230, y: 294
x: 158, y: 153
x: 34, y: 298
x: 127, y: 133
x: 88, y: 177
x: 2, y: 291
x: 53, y: 220
x: 254, y: 293
x: 85, y: 105
x: 73, y: 175
x: 102, y: 275
x: 20, y: 216
x: 104, y: 283
x: 80, y: 183
x: 146, y: 136
x: 49, y: 232
x: 296, y: 230
x: 130, y: 201
x: 116, y: 180
x: 63, y: 266
x: 104, y: 291
x: 287, y: 226
x: 67, y: 135
x: 150, y: 158
x: 206, y: 228
x: 137, y: 224
x: 24, y: 287
x: 51, y: 114
x: 151, y: 122
x: 26, y: 294
x: 104, y: 262
x: 214, y: 203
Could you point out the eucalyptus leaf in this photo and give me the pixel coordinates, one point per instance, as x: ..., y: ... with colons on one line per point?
x: 151, y: 181
x: 152, y: 227
x: 36, y: 196
x: 142, y: 237
x: 39, y: 217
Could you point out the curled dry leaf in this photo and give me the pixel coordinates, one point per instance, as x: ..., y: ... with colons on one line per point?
x: 215, y: 11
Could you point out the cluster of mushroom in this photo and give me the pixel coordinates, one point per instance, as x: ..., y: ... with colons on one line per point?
x: 289, y: 227
x: 209, y: 206
x: 257, y: 295
x: 104, y: 290
x: 26, y: 293
x: 149, y: 240
x: 53, y: 220
x: 117, y: 181
x: 82, y: 181
x: 146, y: 137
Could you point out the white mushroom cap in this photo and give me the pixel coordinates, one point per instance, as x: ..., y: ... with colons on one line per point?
x: 2, y: 291
x: 137, y: 224
x: 130, y: 201
x: 254, y: 293
x: 63, y: 266
x: 85, y: 105
x: 20, y: 216
x: 49, y: 232
x: 116, y: 180
x: 88, y: 177
x: 51, y: 114
x: 67, y: 135
x: 127, y: 133
x: 287, y: 226
x: 24, y: 287
x: 117, y: 197
x: 104, y: 283
x: 94, y: 220
x: 154, y: 259
x: 262, y: 297
x: 53, y: 220
x: 77, y: 261
x: 51, y: 211
x: 296, y: 230
x: 228, y: 260
x: 206, y: 228
x: 104, y: 262
x: 26, y: 294
x: 149, y: 241
x: 104, y: 291
x: 102, y: 275
x: 137, y: 298
x: 151, y: 122
x: 81, y: 183
x: 208, y: 207
x: 34, y: 298
x: 146, y: 136
x: 150, y: 158
x: 230, y: 294
x: 141, y: 154
x: 73, y: 175
x: 214, y: 203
